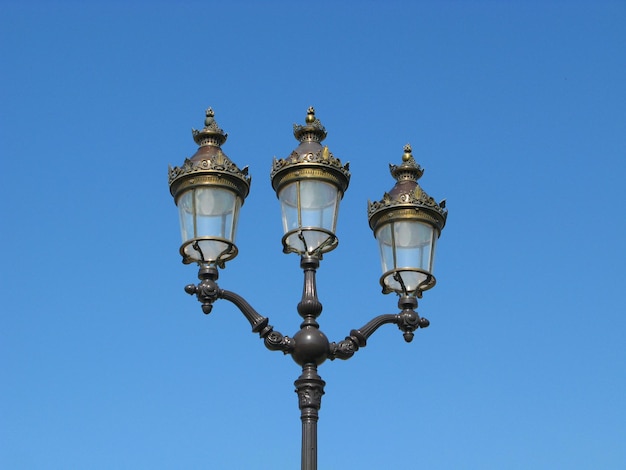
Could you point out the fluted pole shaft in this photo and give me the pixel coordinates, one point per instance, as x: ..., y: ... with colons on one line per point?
x: 310, y: 388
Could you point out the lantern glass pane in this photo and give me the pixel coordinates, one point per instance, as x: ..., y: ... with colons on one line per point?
x: 414, y: 245
x: 318, y: 202
x: 406, y: 245
x: 288, y: 198
x: 309, y: 205
x: 186, y: 214
x: 215, y: 209
x: 208, y: 213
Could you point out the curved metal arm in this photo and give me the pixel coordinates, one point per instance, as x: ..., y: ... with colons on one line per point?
x: 258, y: 323
x: 273, y: 340
x: 407, y: 320
x: 207, y: 292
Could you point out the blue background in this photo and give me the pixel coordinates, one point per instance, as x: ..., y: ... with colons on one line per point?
x: 517, y: 112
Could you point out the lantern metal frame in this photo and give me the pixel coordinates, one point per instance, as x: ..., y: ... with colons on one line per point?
x: 309, y: 347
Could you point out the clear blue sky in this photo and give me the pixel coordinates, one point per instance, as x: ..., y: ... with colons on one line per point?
x: 517, y: 112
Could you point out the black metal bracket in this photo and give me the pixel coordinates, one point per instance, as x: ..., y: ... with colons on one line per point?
x: 407, y: 320
x: 309, y: 347
x: 207, y: 292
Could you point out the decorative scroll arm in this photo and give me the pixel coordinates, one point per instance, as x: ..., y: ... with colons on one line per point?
x: 207, y: 292
x: 274, y: 340
x: 407, y: 320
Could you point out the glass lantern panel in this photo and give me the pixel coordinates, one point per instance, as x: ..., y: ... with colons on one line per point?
x: 309, y: 204
x: 318, y: 202
x: 208, y: 212
x: 414, y: 244
x: 288, y: 198
x: 186, y: 214
x: 406, y: 244
x: 385, y: 243
x: 215, y: 209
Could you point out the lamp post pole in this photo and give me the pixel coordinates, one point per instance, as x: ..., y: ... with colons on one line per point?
x: 209, y: 190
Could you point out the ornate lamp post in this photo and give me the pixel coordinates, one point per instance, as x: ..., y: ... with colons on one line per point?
x: 209, y: 190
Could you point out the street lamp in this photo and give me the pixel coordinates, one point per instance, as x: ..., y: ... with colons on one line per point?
x: 309, y: 184
x: 209, y: 190
x: 407, y: 223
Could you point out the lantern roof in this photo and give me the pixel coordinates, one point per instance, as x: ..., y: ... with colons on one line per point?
x: 316, y: 160
x: 209, y: 159
x: 407, y: 194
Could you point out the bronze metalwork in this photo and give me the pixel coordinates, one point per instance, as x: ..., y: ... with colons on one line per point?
x: 309, y: 347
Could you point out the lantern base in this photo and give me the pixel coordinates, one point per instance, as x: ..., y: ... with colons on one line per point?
x: 211, y: 250
x: 309, y: 241
x: 407, y: 281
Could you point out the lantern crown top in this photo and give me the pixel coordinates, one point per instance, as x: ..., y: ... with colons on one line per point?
x: 310, y: 159
x: 409, y: 170
x: 211, y: 134
x: 407, y: 193
x: 312, y: 131
x: 209, y: 159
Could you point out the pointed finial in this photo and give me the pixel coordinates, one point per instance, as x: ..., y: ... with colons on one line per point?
x: 211, y: 134
x: 209, y: 117
x: 312, y: 131
x: 310, y: 115
x: 409, y: 169
x: 407, y: 153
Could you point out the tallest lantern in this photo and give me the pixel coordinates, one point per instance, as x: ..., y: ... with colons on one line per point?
x: 309, y: 184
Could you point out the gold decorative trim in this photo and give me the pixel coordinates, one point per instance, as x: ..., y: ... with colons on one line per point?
x: 310, y: 167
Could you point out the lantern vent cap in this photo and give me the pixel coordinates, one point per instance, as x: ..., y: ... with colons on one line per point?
x: 211, y: 134
x: 312, y: 131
